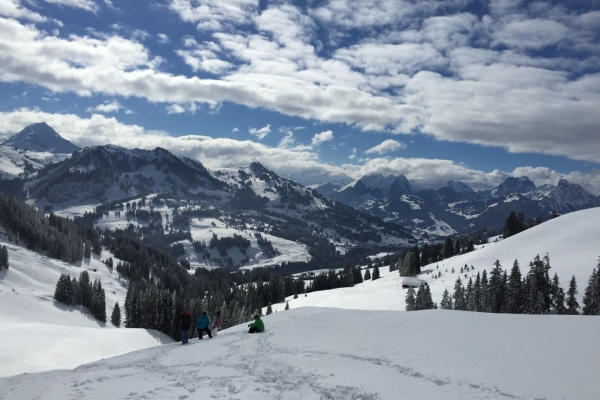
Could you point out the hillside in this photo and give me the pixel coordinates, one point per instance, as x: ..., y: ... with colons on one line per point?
x: 60, y: 336
x: 318, y: 353
x: 571, y: 241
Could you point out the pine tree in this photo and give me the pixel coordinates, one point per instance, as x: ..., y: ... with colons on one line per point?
x: 269, y: 309
x: 3, y: 258
x: 446, y: 303
x: 591, y: 297
x: 572, y: 304
x: 459, y: 296
x: 484, y: 299
x: 287, y: 305
x: 471, y: 305
x: 515, y: 296
x: 63, y: 292
x: 558, y: 296
x: 376, y: 273
x: 496, y: 289
x: 115, y: 317
x: 410, y: 299
x: 367, y: 275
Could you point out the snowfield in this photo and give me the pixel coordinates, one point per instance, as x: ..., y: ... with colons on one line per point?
x: 319, y: 353
x: 39, y: 334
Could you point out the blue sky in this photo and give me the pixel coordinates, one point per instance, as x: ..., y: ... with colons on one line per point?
x: 317, y: 90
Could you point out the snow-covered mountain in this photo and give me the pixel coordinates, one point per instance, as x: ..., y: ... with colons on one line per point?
x: 110, y: 172
x: 40, y: 137
x: 456, y: 207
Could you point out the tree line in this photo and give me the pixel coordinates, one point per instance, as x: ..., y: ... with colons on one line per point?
x: 82, y: 292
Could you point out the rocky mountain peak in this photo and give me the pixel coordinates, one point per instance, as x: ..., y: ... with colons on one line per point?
x: 40, y: 137
x: 511, y: 185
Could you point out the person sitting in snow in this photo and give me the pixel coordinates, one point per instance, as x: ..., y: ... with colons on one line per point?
x: 186, y: 324
x: 257, y: 325
x: 202, y: 324
x: 217, y: 324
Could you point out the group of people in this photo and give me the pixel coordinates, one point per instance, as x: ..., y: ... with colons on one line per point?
x: 203, y: 325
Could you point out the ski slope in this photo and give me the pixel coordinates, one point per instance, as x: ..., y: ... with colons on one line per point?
x: 571, y: 241
x: 319, y: 353
x: 39, y: 334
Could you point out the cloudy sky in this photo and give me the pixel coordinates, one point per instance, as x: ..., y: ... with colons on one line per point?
x: 317, y: 89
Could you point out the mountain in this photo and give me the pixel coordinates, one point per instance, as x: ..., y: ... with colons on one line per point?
x: 40, y: 137
x: 110, y: 172
x: 456, y: 207
x: 279, y: 220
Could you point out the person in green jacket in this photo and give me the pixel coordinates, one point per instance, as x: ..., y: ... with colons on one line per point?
x: 257, y: 326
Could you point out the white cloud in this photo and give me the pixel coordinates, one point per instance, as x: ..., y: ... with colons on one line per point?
x: 13, y: 9
x: 496, y: 93
x: 235, y: 130
x: 321, y: 138
x: 288, y: 140
x: 87, y: 5
x: 181, y: 108
x: 386, y: 146
x: 260, y: 133
x: 532, y: 33
x: 352, y: 156
x: 107, y: 107
x: 214, y: 15
x: 163, y: 38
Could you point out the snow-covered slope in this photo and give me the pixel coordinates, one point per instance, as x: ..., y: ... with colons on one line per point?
x: 39, y: 334
x: 18, y: 163
x: 571, y: 241
x: 316, y: 353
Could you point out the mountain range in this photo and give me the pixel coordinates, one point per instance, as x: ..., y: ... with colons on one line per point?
x: 373, y: 207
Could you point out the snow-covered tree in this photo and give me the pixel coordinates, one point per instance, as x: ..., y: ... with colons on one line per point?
x: 410, y: 299
x: 367, y: 275
x: 269, y: 309
x: 446, y: 302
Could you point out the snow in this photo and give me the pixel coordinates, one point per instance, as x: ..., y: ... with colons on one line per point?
x: 413, y: 205
x: 36, y: 330
x: 570, y: 240
x: 320, y: 353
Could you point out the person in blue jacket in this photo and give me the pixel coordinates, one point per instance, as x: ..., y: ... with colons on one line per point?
x: 202, y: 324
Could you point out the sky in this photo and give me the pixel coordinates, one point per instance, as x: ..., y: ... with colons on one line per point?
x: 325, y: 90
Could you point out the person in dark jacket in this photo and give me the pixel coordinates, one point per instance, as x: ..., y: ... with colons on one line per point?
x: 186, y: 324
x: 217, y: 324
x: 257, y: 326
x: 202, y: 324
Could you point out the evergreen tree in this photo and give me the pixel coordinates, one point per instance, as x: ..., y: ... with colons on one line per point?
x: 484, y: 299
x: 376, y: 273
x: 115, y: 317
x: 496, y: 289
x: 477, y: 293
x: 591, y: 296
x: 515, y: 296
x: 99, y: 304
x: 287, y: 305
x: 269, y: 309
x: 459, y: 296
x: 63, y: 292
x: 471, y: 305
x: 558, y: 296
x: 410, y: 299
x: 87, y: 252
x: 3, y: 258
x: 446, y: 303
x: 367, y: 275
x: 572, y: 304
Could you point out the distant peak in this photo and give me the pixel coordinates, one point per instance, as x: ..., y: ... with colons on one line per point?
x: 41, y: 137
x: 258, y: 167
